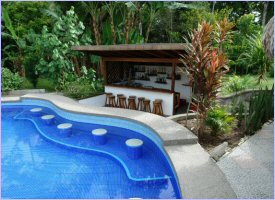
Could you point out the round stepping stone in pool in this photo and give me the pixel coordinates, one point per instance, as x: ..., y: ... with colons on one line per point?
x: 36, y: 111
x: 99, y: 136
x: 134, y: 148
x: 65, y: 129
x: 48, y: 118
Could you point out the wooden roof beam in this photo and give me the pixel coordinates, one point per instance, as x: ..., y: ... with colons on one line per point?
x: 142, y: 60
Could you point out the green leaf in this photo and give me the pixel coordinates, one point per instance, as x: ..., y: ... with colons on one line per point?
x: 8, y: 24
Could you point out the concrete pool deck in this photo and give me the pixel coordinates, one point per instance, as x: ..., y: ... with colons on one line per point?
x: 250, y: 166
x: 198, y: 175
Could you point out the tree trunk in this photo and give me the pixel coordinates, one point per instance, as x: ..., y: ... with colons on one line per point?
x: 19, y: 64
x: 127, y: 27
x: 264, y: 13
x: 133, y: 20
x: 76, y: 66
x: 96, y: 31
x: 113, y: 30
x: 148, y: 31
x: 140, y: 27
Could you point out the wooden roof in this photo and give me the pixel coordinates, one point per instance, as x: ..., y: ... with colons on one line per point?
x: 159, y: 50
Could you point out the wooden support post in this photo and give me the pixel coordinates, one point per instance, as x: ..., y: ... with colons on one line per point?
x: 173, y: 77
x: 103, y: 69
x: 173, y: 84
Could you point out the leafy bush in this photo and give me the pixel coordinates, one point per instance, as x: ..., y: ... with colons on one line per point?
x: 27, y: 84
x: 236, y: 83
x: 261, y: 109
x: 219, y: 120
x: 80, y: 89
x: 87, y: 85
x: 245, y: 27
x: 10, y: 80
x: 54, y: 48
x: 47, y: 84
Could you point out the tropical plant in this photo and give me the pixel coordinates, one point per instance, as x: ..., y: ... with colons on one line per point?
x: 255, y: 57
x: 152, y: 9
x: 206, y: 64
x: 16, y: 27
x: 235, y: 83
x: 219, y: 120
x: 238, y: 109
x: 26, y: 84
x: 245, y: 28
x: 57, y: 60
x: 20, y: 43
x: 111, y: 8
x: 10, y: 81
x: 47, y: 84
x: 85, y: 86
x: 261, y: 109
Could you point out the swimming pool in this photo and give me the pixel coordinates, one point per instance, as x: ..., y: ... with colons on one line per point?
x: 38, y: 162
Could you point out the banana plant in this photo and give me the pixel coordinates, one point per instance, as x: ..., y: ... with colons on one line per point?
x: 152, y: 9
x: 111, y: 8
x: 20, y: 42
x: 94, y: 9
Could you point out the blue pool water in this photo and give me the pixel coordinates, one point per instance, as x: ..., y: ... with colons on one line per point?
x: 38, y: 162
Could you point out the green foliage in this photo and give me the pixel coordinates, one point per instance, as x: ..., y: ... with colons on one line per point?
x: 47, y: 84
x: 245, y: 28
x: 80, y: 89
x: 219, y: 120
x: 255, y: 57
x: 87, y: 85
x: 27, y: 84
x: 235, y: 83
x: 261, y: 109
x: 239, y: 8
x: 54, y: 48
x: 10, y: 80
x: 205, y: 63
x: 239, y: 109
x: 27, y: 15
x: 21, y: 18
x: 271, y: 72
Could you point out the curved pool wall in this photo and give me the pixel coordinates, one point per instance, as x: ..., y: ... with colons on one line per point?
x: 147, y: 133
x: 102, y: 120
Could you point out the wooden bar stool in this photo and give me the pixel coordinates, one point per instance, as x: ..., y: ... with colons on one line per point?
x: 112, y: 101
x: 107, y: 100
x: 132, y: 103
x: 117, y: 100
x: 147, y: 107
x: 157, y: 107
x: 122, y: 102
x: 140, y: 103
